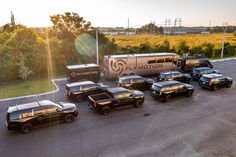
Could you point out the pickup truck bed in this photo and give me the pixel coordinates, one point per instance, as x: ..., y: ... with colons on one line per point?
x: 99, y: 97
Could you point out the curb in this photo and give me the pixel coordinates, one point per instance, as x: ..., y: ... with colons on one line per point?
x: 221, y: 60
x: 34, y: 95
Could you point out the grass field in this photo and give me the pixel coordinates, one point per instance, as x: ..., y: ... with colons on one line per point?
x: 23, y: 88
x: 192, y: 40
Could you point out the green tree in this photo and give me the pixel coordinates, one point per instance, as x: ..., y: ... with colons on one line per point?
x: 150, y: 29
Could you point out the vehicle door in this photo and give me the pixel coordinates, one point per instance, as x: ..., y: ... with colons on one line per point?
x: 39, y: 114
x: 119, y: 99
x: 222, y: 80
x: 127, y: 98
x: 178, y: 76
x: 179, y: 89
x: 91, y: 89
x: 140, y: 83
x: 52, y: 113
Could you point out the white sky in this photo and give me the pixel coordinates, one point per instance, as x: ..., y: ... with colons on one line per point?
x: 116, y: 12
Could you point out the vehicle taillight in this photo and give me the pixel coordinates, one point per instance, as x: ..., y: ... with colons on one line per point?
x: 94, y: 104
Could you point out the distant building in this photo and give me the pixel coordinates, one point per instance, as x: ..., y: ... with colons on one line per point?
x: 186, y: 30
x: 117, y: 31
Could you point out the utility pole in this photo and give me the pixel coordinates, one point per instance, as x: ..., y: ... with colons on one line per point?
x: 97, y: 48
x: 128, y: 26
x: 225, y: 24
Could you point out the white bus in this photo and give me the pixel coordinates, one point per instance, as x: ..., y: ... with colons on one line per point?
x: 139, y: 64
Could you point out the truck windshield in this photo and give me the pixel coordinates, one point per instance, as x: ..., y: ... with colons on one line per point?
x: 155, y: 87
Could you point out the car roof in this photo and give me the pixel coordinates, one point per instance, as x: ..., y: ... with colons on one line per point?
x: 202, y: 68
x: 130, y: 77
x: 170, y: 72
x: 30, y: 105
x: 166, y: 83
x: 212, y: 75
x: 79, y: 83
x: 143, y: 55
x: 79, y: 66
x: 117, y: 90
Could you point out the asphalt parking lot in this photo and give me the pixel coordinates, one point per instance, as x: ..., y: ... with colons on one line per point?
x: 203, y: 125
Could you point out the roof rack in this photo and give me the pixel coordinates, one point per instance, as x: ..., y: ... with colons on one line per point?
x: 38, y: 103
x: 17, y: 108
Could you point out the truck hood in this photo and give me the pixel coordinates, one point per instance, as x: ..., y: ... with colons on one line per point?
x: 66, y: 105
x: 137, y: 93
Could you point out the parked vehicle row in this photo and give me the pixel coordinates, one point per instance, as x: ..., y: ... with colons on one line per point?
x: 103, y: 98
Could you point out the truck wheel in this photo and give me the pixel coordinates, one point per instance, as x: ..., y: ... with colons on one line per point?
x: 69, y: 118
x: 189, y: 93
x: 229, y: 84
x: 139, y: 104
x: 215, y: 87
x: 26, y: 128
x: 164, y: 99
x: 105, y: 110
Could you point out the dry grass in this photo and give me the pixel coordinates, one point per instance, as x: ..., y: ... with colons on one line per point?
x: 192, y: 40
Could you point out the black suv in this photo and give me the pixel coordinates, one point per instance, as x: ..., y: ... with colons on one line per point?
x: 174, y: 75
x: 163, y: 90
x: 25, y: 117
x: 115, y: 97
x: 135, y: 82
x: 197, y: 73
x: 80, y: 90
x: 214, y: 81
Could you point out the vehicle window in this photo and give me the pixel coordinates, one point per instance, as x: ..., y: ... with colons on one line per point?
x: 151, y: 61
x: 127, y: 94
x: 177, y: 74
x: 168, y: 60
x: 76, y: 88
x: 205, y: 79
x: 166, y: 75
x: 155, y: 87
x: 51, y: 109
x: 118, y: 96
x: 195, y: 71
x: 175, y: 87
x: 39, y: 110
x: 26, y: 113
x: 125, y: 81
x: 166, y: 88
x: 89, y: 87
x: 14, y: 115
x: 139, y: 80
x: 160, y: 61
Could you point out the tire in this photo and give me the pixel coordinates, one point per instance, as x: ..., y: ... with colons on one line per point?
x: 69, y: 118
x: 215, y: 87
x: 229, y: 84
x: 164, y: 99
x: 189, y: 93
x: 139, y: 104
x: 105, y: 110
x: 26, y: 128
x: 187, y: 81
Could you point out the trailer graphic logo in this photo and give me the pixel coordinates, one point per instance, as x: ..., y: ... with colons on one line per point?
x: 118, y: 66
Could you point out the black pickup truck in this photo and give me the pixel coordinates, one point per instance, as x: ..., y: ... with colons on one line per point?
x: 115, y: 97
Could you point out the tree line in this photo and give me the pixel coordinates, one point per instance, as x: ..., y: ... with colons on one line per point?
x: 29, y: 53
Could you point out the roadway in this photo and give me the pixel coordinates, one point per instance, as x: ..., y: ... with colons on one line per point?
x: 203, y: 125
